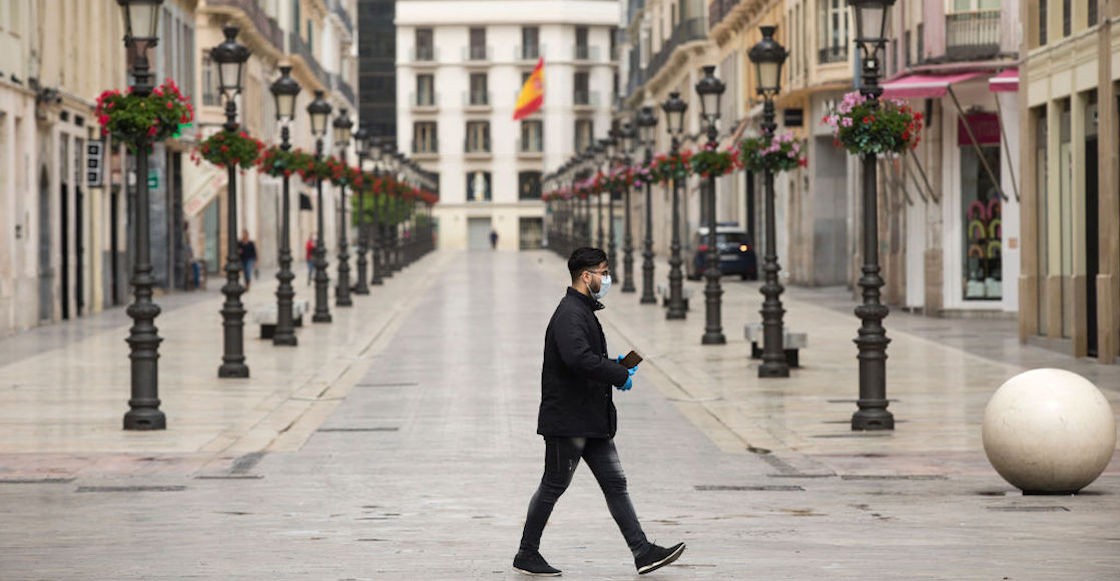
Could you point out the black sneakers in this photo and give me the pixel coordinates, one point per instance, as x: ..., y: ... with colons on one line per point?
x: 534, y: 564
x: 656, y: 557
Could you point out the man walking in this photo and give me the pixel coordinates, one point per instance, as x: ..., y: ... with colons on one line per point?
x: 248, y: 252
x: 578, y: 419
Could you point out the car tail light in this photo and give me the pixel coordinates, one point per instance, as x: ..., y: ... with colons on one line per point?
x: 703, y: 248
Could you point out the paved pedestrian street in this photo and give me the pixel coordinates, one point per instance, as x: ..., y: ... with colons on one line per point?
x: 399, y: 443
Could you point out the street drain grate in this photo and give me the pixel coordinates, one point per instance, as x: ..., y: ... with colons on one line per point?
x: 36, y: 480
x: 130, y: 488
x: 765, y: 488
x: 1029, y: 508
x: 894, y: 477
x: 380, y: 429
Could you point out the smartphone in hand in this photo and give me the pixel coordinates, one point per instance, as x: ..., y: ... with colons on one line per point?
x: 631, y: 360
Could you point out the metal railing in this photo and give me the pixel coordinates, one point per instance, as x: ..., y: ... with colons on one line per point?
x: 419, y: 100
x: 687, y: 31
x: 535, y: 144
x: 421, y: 54
x: 340, y: 85
x: 297, y: 46
x: 970, y: 35
x: 476, y: 145
x: 585, y: 98
x: 265, y: 24
x: 527, y: 52
x: 833, y: 54
x: 343, y: 15
x: 425, y: 146
x: 478, y: 53
x: 476, y: 98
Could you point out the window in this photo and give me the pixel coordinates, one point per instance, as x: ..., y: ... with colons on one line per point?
x: 1092, y: 12
x: 582, y: 50
x: 478, y: 44
x: 424, y: 139
x: 425, y: 44
x: 529, y: 185
x: 584, y: 132
x: 906, y: 39
x: 209, y: 80
x: 834, y: 31
x: 530, y: 42
x: 478, y: 137
x: 478, y: 94
x: 425, y: 90
x: 478, y: 186
x: 1042, y: 16
x: 532, y: 134
x: 1067, y: 17
x: 919, y: 54
x: 582, y: 94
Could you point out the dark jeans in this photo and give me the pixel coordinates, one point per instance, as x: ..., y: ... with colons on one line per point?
x: 560, y: 461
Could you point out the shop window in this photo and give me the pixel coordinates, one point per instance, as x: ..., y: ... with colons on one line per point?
x: 478, y: 186
x: 982, y: 210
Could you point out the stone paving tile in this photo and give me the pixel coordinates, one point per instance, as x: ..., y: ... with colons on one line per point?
x: 424, y: 470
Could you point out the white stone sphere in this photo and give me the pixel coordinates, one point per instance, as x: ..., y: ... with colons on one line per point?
x: 1049, y: 431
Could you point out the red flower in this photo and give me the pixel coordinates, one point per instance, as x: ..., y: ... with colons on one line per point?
x: 865, y: 120
x: 802, y: 162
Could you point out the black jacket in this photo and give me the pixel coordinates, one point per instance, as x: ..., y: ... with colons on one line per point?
x: 577, y: 375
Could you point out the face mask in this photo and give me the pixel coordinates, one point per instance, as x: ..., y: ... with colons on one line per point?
x: 604, y: 286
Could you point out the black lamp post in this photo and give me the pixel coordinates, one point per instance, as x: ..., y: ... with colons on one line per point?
x: 361, y: 142
x: 710, y: 89
x: 647, y: 123
x: 342, y: 125
x: 871, y: 20
x: 611, y: 147
x: 768, y: 57
x: 373, y: 238
x: 388, y: 159
x: 627, y: 137
x: 320, y: 110
x: 141, y: 19
x: 398, y: 215
x: 596, y: 151
x: 284, y: 91
x: 231, y: 56
x: 674, y: 109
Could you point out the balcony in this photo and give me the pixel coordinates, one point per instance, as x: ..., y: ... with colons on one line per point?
x: 297, y: 46
x: 585, y: 99
x: 423, y: 101
x: 338, y: 10
x: 340, y: 86
x: 687, y: 31
x: 527, y: 53
x: 479, y: 54
x: 476, y: 149
x: 582, y: 52
x: 972, y: 35
x: 421, y: 55
x: 476, y: 99
x: 833, y: 54
x: 264, y: 23
x: 425, y: 148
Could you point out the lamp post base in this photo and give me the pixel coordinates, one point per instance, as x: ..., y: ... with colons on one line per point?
x: 233, y: 370
x: 713, y: 339
x: 873, y: 418
x: 773, y: 369
x: 286, y: 340
x: 145, y: 418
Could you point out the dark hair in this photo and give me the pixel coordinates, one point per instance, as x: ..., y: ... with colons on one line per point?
x: 583, y: 259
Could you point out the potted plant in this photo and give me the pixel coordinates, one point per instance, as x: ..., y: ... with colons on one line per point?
x: 667, y: 167
x: 890, y: 127
x: 777, y: 153
x: 228, y: 149
x: 139, y: 121
x: 710, y: 161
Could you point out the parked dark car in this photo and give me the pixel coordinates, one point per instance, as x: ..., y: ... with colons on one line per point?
x: 736, y: 253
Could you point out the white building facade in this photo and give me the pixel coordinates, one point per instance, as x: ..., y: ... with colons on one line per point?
x: 460, y: 68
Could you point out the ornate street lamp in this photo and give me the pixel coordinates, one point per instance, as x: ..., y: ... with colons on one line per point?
x: 284, y: 92
x: 320, y: 110
x: 361, y: 143
x: 674, y: 109
x: 388, y: 161
x: 231, y: 56
x: 611, y: 143
x: 376, y: 153
x: 342, y: 125
x: 141, y: 18
x: 710, y: 89
x: 627, y: 136
x: 647, y: 124
x: 871, y: 18
x: 768, y: 57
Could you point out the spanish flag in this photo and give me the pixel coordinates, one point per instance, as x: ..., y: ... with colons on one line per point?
x: 532, y: 94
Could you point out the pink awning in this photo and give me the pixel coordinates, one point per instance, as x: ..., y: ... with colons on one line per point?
x: 923, y: 86
x: 1005, y: 82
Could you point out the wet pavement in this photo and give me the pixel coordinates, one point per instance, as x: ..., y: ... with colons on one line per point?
x: 398, y: 443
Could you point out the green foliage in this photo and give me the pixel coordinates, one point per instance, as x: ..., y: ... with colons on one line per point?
x: 229, y: 149
x: 865, y: 127
x: 776, y: 153
x: 140, y: 121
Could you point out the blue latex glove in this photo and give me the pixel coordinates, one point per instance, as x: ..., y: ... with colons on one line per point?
x: 630, y: 370
x: 629, y: 383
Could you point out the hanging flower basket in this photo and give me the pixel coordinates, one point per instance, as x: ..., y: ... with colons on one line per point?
x: 892, y: 127
x: 711, y: 162
x: 228, y: 149
x: 341, y: 174
x: 667, y: 167
x: 276, y: 162
x: 140, y: 121
x: 776, y: 153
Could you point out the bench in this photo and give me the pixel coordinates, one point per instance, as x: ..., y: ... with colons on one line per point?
x: 792, y: 341
x: 663, y: 290
x: 266, y: 315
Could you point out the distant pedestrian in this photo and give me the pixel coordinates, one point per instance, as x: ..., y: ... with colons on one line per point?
x: 578, y: 419
x: 310, y: 258
x: 493, y: 240
x: 248, y: 252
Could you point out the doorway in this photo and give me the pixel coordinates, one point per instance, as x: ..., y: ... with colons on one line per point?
x: 45, y: 274
x: 1092, y: 243
x: 478, y: 233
